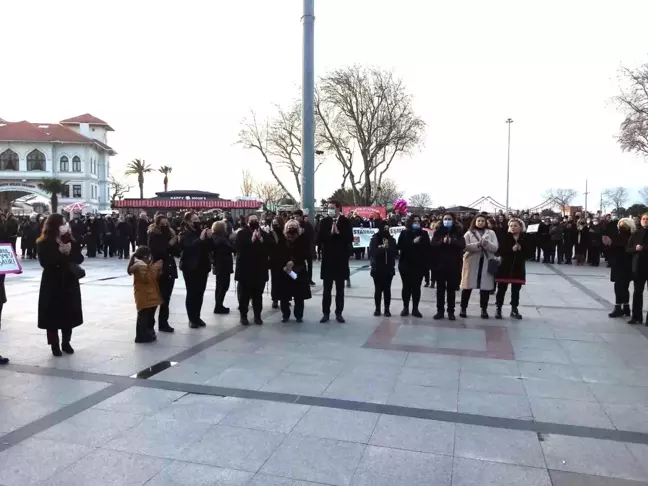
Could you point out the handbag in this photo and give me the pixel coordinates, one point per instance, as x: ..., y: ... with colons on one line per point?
x: 493, y: 265
x: 77, y: 270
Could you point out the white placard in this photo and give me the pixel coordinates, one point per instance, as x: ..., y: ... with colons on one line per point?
x: 8, y: 260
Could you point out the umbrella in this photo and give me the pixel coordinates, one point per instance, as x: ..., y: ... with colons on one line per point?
x: 76, y: 207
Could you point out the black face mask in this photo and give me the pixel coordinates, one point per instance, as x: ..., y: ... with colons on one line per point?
x: 254, y: 225
x: 197, y: 225
x: 276, y: 228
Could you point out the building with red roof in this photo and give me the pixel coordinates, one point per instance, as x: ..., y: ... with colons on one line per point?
x: 75, y: 149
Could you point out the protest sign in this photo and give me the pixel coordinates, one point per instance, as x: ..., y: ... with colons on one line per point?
x: 362, y: 236
x: 8, y: 260
x: 532, y: 228
x: 366, y: 211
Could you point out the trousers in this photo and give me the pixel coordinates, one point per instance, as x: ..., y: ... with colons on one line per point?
x: 222, y: 286
x: 196, y: 283
x: 411, y: 289
x: 637, y: 297
x: 445, y: 294
x: 622, y: 292
x: 298, y: 310
x: 501, y: 293
x: 484, y: 296
x: 53, y: 336
x: 250, y: 291
x: 382, y: 290
x: 166, y: 289
x: 145, y: 325
x: 327, y: 296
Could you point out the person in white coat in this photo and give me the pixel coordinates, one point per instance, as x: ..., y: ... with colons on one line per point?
x: 481, y: 245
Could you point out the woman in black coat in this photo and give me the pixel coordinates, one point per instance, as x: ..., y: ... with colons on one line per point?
x: 448, y: 245
x: 638, y: 248
x: 222, y: 264
x: 277, y: 239
x: 252, y: 251
x: 382, y: 254
x: 59, y: 299
x: 512, y: 250
x: 195, y: 264
x: 620, y: 262
x: 164, y: 246
x: 3, y: 301
x: 413, y: 246
x: 581, y: 242
x: 293, y: 252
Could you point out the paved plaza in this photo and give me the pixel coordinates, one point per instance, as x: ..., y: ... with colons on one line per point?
x: 559, y: 398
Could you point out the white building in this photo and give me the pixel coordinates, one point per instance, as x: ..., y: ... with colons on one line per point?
x: 73, y: 150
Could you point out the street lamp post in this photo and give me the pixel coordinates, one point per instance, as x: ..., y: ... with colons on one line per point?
x: 308, y: 108
x: 508, y: 163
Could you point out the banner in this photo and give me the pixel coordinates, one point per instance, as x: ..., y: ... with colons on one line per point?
x: 366, y: 211
x: 8, y: 260
x: 362, y: 236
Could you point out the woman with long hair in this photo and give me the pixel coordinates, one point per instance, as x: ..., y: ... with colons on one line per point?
x: 481, y: 245
x: 59, y: 299
x: 638, y: 247
x: 222, y: 263
x: 164, y: 247
x: 382, y: 254
x: 620, y: 261
x: 448, y: 245
x: 195, y: 265
x: 414, y: 247
x: 277, y: 239
x: 512, y: 271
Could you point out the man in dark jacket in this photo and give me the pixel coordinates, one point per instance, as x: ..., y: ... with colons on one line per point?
x: 252, y: 245
x: 78, y: 228
x: 335, y: 237
x: 12, y: 229
x: 142, y: 229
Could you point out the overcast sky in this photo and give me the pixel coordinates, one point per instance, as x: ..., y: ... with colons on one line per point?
x: 175, y: 79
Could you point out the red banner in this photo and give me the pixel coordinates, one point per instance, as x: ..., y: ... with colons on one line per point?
x: 366, y: 211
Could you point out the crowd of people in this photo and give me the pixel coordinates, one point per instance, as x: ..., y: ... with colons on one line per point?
x: 477, y: 252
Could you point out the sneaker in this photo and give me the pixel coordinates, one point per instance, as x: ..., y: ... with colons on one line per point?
x: 202, y: 323
x: 149, y: 338
x: 194, y: 325
x: 166, y: 328
x: 617, y: 312
x: 636, y: 320
x: 285, y: 318
x: 221, y: 310
x: 515, y: 314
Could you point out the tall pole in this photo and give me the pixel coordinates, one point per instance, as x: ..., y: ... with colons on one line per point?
x: 508, y: 163
x: 308, y: 108
x: 586, y: 193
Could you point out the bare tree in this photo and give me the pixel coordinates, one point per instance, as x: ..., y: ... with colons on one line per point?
x: 366, y: 120
x: 420, y: 200
x: 247, y: 184
x: 616, y: 197
x: 387, y: 193
x: 278, y: 140
x: 269, y: 193
x: 562, y: 197
x: 118, y: 189
x: 633, y: 103
x: 643, y: 192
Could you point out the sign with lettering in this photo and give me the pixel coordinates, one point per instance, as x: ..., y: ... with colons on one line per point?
x: 8, y: 260
x: 17, y: 184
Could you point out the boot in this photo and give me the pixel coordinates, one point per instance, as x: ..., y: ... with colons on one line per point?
x: 3, y: 361
x: 636, y: 320
x: 405, y: 312
x: 387, y: 313
x: 451, y: 315
x: 515, y: 314
x: 145, y: 338
x: 377, y: 312
x: 484, y: 314
x: 325, y: 318
x: 617, y: 312
x: 258, y: 321
x: 67, y: 348
x: 56, y: 350
x: 244, y: 320
x: 416, y: 313
x: 275, y: 304
x: 626, y: 310
x: 462, y: 313
x: 498, y: 312
x: 439, y: 315
x: 166, y: 328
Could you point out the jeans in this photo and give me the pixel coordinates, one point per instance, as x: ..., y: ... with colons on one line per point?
x: 411, y: 289
x: 166, y: 289
x: 484, y: 296
x: 222, y: 286
x: 250, y: 291
x: 339, y: 296
x: 196, y: 283
x: 444, y: 291
x: 382, y: 288
x: 637, y: 297
x: 501, y: 293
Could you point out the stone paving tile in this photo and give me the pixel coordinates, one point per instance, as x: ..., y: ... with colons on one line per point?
x: 508, y: 385
x: 298, y: 384
x: 233, y: 447
x: 109, y: 468
x: 569, y: 412
x: 381, y: 466
x: 591, y: 456
x: 144, y: 401
x: 620, y: 394
x: 264, y: 415
x: 93, y: 427
x: 490, y: 366
x: 414, y: 434
x: 561, y: 478
x: 435, y: 361
x: 201, y: 408
x: 494, y: 405
x: 424, y: 397
x: 314, y: 459
x: 267, y: 480
x: 16, y: 413
x: 430, y: 377
x: 361, y: 390
x: 316, y: 367
x: 628, y: 417
x: 188, y: 373
x: 469, y: 472
x: 549, y: 371
x: 333, y: 423
x: 33, y: 461
x: 614, y: 376
x: 186, y: 474
x: 640, y: 452
x: 568, y: 390
x: 250, y: 379
x: 498, y: 445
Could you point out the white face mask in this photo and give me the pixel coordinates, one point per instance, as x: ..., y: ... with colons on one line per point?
x: 63, y: 230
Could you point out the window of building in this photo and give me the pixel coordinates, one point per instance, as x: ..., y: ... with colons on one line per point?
x: 35, y: 160
x: 76, y: 164
x: 76, y: 190
x: 66, y: 191
x: 65, y: 164
x: 8, y: 160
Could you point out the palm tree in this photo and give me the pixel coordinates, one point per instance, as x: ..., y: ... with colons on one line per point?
x: 166, y: 170
x: 139, y: 168
x: 54, y: 187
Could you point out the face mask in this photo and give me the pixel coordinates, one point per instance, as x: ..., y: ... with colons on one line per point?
x: 63, y: 230
x: 197, y: 225
x: 254, y: 224
x: 596, y: 223
x: 416, y: 226
x: 331, y: 212
x: 447, y: 223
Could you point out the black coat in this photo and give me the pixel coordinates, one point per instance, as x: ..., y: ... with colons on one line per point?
x: 512, y: 263
x: 296, y: 252
x: 619, y: 257
x: 142, y: 231
x: 639, y: 259
x: 252, y: 259
x: 383, y: 260
x: 581, y: 241
x: 158, y: 243
x: 336, y: 248
x: 195, y: 252
x: 222, y: 255
x: 447, y: 258
x: 595, y: 237
x: 59, y: 300
x: 413, y: 256
x: 3, y: 293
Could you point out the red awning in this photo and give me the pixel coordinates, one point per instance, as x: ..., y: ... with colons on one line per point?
x: 182, y: 203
